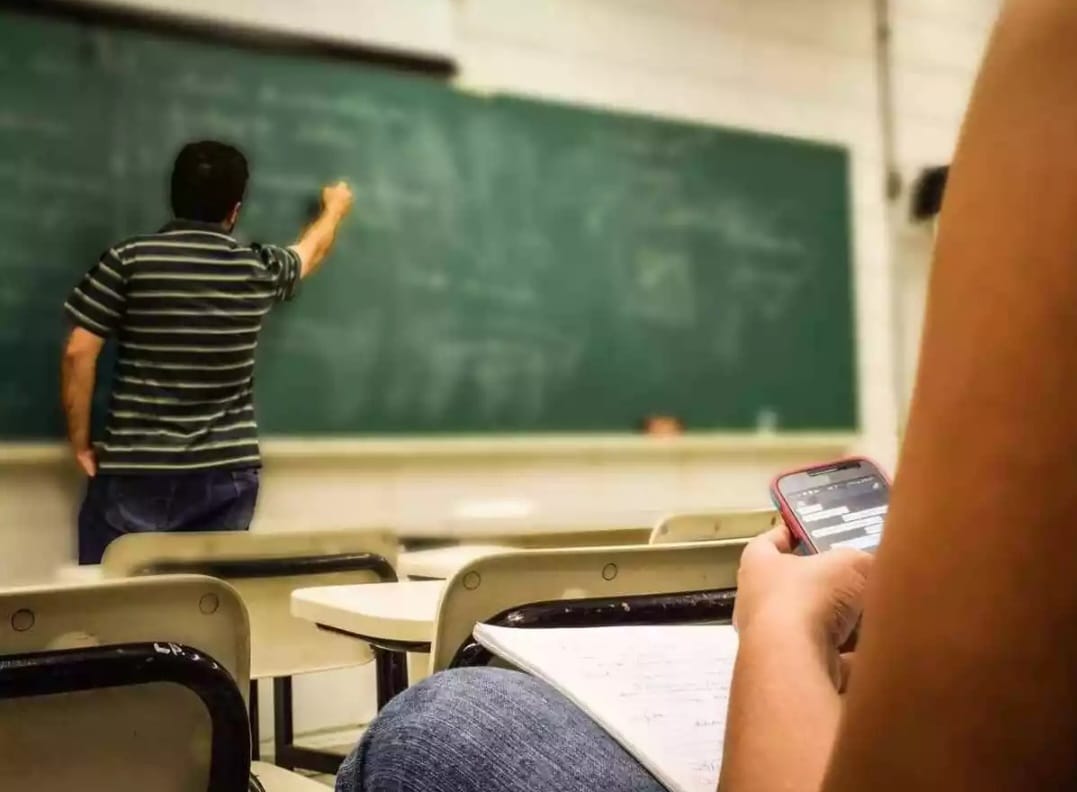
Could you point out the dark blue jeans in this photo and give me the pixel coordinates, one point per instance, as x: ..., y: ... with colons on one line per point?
x: 212, y: 500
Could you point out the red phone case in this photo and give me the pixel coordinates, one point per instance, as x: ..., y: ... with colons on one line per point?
x: 786, y: 511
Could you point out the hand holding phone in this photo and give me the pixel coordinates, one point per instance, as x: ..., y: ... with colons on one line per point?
x: 838, y: 504
x: 820, y: 596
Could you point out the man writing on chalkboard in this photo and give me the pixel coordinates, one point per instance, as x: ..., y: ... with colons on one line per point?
x: 180, y: 450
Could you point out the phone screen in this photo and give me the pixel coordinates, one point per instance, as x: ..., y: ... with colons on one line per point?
x: 847, y: 513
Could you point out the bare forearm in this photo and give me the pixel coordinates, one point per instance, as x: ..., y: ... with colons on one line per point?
x: 77, y: 375
x: 783, y: 712
x: 317, y: 240
x: 964, y: 666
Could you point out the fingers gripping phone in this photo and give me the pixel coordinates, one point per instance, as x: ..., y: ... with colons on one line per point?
x: 839, y: 504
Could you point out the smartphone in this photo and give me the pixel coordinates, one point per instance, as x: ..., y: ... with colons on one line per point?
x: 839, y: 504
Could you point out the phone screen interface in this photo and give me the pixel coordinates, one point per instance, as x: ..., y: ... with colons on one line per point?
x: 846, y: 513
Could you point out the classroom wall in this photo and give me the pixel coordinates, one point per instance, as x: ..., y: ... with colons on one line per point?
x: 782, y: 66
x: 413, y: 25
x: 937, y: 49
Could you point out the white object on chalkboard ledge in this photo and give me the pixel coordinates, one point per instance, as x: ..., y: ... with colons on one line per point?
x: 766, y: 421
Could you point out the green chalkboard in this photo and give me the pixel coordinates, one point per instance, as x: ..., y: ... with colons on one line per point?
x: 512, y: 265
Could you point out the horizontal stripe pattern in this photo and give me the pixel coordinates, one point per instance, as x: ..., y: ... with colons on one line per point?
x: 98, y: 302
x: 194, y: 276
x: 149, y: 419
x: 200, y: 399
x: 166, y: 448
x: 173, y: 384
x: 217, y: 431
x: 246, y: 330
x: 165, y: 246
x: 169, y: 354
x: 205, y: 347
x: 134, y: 364
x: 190, y: 293
x: 186, y: 306
x: 208, y: 312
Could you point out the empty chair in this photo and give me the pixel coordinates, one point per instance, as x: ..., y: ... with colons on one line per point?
x: 265, y: 569
x: 128, y: 685
x: 585, y: 587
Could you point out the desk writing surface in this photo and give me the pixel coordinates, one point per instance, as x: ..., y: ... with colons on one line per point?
x: 403, y: 611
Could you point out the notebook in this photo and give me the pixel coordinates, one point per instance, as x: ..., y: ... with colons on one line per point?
x: 662, y: 692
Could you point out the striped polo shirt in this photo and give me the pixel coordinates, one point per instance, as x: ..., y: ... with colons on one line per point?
x: 186, y: 305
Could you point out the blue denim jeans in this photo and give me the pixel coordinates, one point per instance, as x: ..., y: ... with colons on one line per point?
x: 211, y: 500
x: 488, y: 730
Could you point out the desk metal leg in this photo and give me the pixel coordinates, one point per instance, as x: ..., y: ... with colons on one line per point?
x: 282, y: 722
x: 286, y: 753
x: 392, y: 674
x: 256, y: 745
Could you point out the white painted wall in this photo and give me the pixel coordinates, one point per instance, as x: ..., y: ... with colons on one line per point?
x: 785, y: 66
x: 937, y: 51
x: 424, y: 26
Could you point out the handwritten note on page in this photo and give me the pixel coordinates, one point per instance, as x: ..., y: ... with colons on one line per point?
x: 661, y: 692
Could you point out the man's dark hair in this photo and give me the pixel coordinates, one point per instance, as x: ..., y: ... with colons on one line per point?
x: 208, y: 180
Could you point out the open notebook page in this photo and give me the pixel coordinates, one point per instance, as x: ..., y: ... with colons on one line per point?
x: 661, y: 692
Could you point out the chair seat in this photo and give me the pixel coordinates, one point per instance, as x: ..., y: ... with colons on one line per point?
x: 277, y: 779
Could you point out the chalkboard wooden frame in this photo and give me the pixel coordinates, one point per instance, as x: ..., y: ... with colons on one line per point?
x: 418, y: 449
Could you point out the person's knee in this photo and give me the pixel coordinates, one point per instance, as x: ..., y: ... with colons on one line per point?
x: 474, y: 730
x: 441, y: 726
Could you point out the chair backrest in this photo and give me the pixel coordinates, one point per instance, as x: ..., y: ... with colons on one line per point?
x: 494, y: 584
x: 709, y: 527
x: 155, y: 735
x: 266, y: 569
